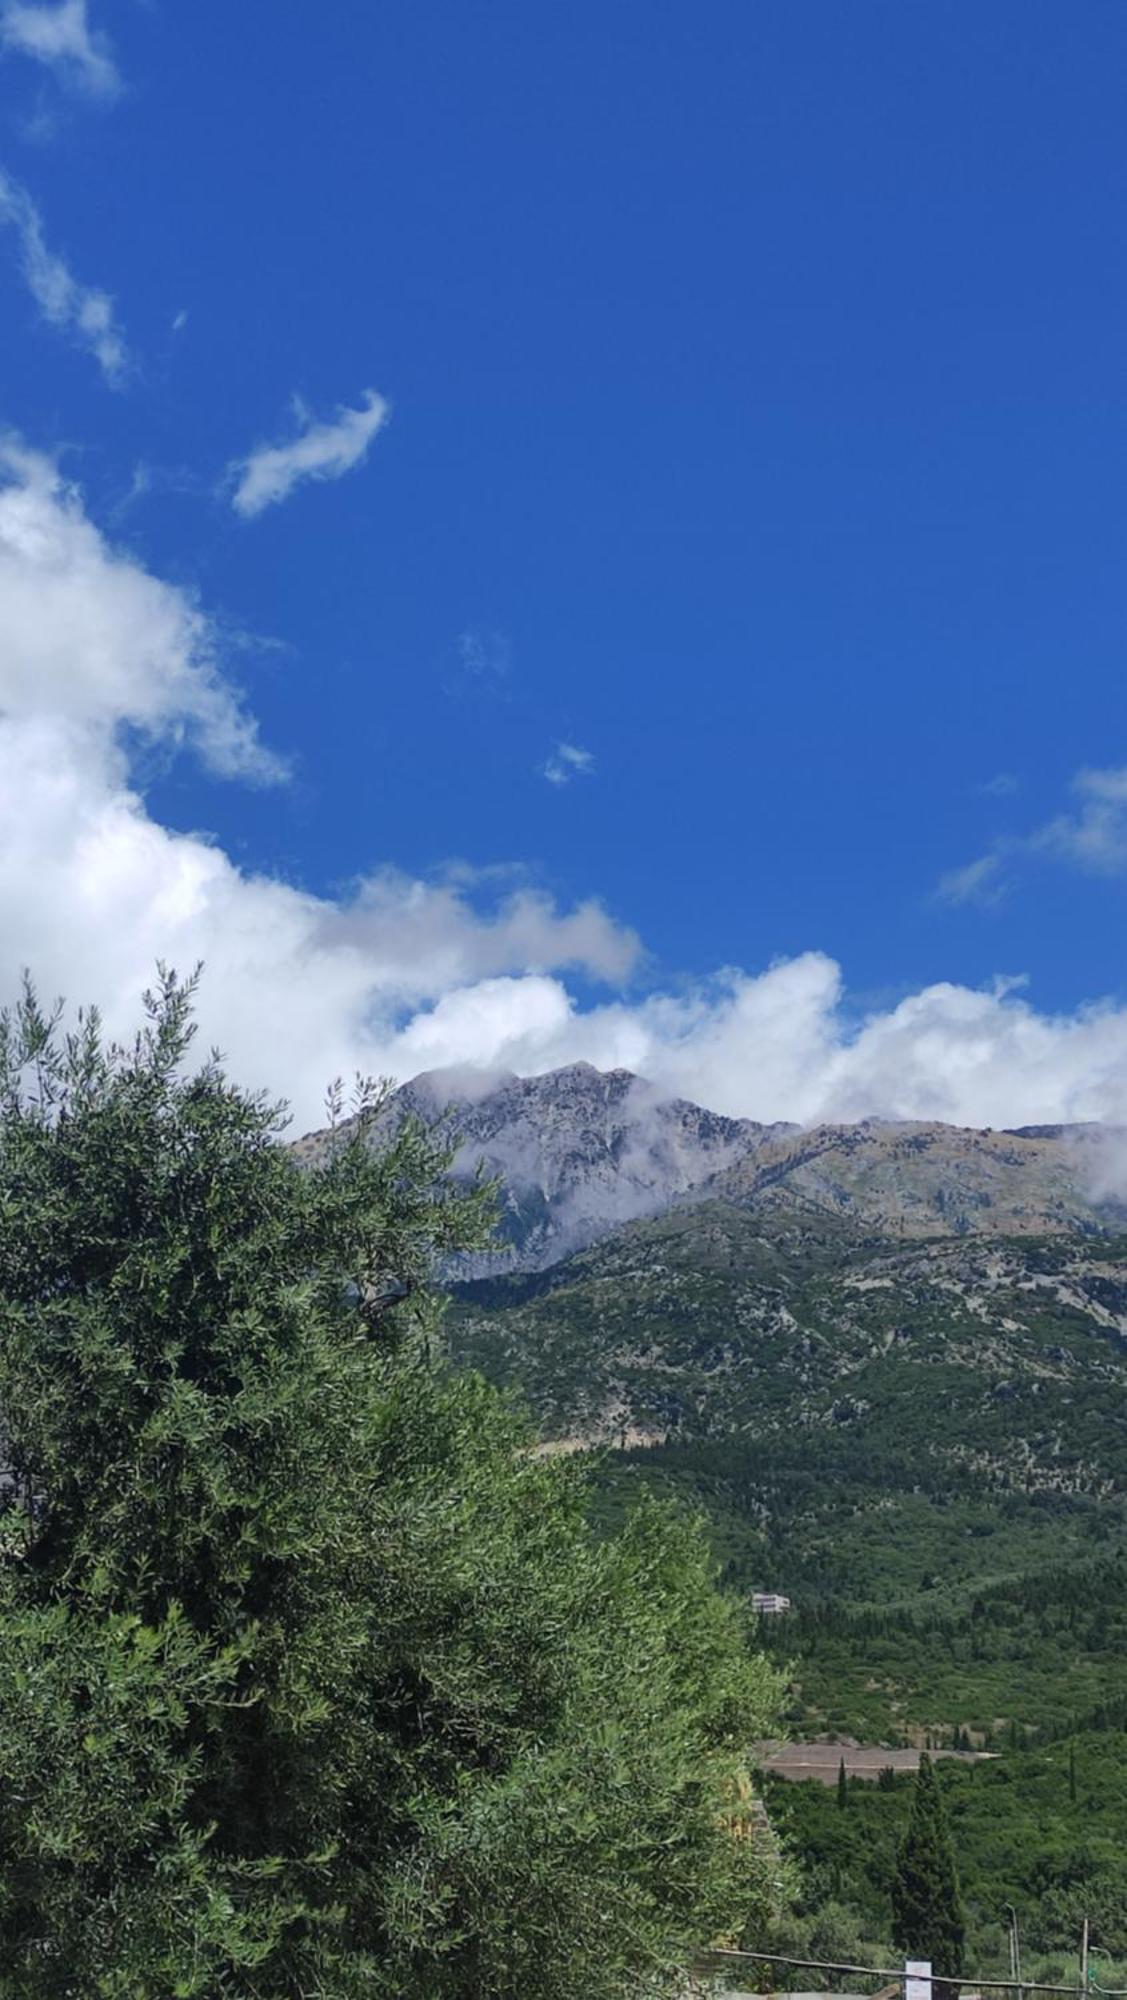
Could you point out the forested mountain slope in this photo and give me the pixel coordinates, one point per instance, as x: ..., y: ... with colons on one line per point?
x: 1006, y: 1354
x: 860, y: 1415
x: 889, y: 1359
x: 890, y: 1362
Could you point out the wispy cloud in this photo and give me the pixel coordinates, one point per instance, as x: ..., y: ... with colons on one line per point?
x: 1092, y: 836
x: 86, y: 314
x: 1095, y: 835
x: 568, y: 761
x: 979, y: 882
x: 1002, y: 785
x: 319, y: 451
x: 61, y: 37
x: 482, y: 672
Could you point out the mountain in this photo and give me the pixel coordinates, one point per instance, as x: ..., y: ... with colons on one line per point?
x: 926, y: 1180
x: 580, y: 1152
x: 856, y: 1413
x: 716, y: 1320
x: 888, y: 1360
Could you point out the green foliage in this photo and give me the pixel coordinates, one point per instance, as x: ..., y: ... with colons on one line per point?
x: 917, y: 1442
x: 1018, y: 1836
x: 1047, y: 1650
x: 833, y: 1934
x: 893, y: 1434
x: 313, y: 1677
x: 927, y: 1914
x: 947, y: 1369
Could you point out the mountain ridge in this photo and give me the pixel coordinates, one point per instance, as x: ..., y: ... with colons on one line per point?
x: 580, y: 1152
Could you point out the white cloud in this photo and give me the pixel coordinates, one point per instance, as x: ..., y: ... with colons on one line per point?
x: 1093, y: 837
x: 84, y: 313
x: 782, y: 1044
x: 427, y: 942
x: 402, y: 975
x: 320, y: 451
x: 568, y: 761
x: 93, y: 651
x: 786, y: 1043
x: 91, y: 644
x: 61, y: 37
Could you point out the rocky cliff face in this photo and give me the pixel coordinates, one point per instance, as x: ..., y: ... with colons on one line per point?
x: 580, y: 1152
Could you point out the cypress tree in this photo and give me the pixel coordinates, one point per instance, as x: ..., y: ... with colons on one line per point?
x: 927, y: 1913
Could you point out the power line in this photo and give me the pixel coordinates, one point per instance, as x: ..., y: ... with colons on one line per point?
x: 897, y: 1973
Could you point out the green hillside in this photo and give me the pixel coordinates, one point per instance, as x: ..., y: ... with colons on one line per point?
x: 867, y: 1423
x: 924, y: 1444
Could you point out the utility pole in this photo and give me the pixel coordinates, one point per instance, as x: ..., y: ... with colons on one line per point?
x: 1015, y: 1949
x: 1017, y: 1955
x: 1084, y: 1958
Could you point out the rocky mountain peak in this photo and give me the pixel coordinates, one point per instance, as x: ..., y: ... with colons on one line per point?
x: 580, y: 1151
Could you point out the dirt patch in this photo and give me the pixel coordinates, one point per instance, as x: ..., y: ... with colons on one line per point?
x: 823, y: 1760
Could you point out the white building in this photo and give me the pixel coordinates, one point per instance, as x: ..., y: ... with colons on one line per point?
x: 769, y: 1600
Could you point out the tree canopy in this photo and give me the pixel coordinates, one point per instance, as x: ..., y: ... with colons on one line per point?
x: 927, y: 1915
x: 314, y: 1678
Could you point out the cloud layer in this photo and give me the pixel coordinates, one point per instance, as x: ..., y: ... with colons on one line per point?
x: 61, y: 37
x: 402, y: 975
x: 320, y: 451
x: 784, y: 1044
x: 86, y: 314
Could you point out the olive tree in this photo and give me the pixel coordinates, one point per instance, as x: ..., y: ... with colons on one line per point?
x: 314, y: 1677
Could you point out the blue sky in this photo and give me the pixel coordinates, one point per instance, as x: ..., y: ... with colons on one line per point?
x: 721, y: 568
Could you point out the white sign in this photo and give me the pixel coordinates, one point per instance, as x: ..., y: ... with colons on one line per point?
x: 917, y: 1979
